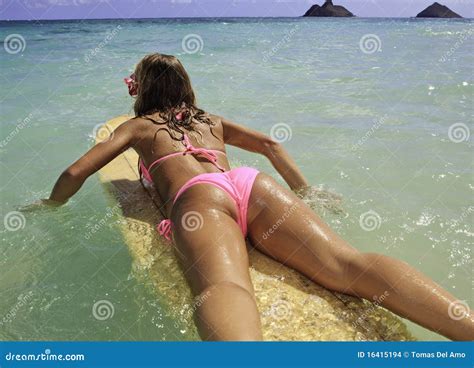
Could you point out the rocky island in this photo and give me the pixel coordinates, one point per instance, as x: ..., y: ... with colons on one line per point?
x: 436, y: 10
x: 328, y: 9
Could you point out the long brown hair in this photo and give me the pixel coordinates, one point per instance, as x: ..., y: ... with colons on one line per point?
x: 164, y: 87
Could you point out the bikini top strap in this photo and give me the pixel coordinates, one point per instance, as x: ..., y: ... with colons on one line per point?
x: 211, y: 155
x: 144, y: 171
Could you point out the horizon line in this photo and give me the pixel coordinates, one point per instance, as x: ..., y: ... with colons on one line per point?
x: 224, y: 17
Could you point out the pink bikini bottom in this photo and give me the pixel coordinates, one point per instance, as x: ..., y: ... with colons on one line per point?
x: 236, y: 182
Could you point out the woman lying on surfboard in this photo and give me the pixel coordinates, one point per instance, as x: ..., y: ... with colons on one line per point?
x: 182, y: 152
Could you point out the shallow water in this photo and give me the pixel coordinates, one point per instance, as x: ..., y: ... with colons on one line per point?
x: 375, y: 127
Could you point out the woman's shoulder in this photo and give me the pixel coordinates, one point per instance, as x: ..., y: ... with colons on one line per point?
x: 216, y: 119
x: 145, y: 120
x: 137, y: 126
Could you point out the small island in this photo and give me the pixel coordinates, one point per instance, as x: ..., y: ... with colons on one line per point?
x: 436, y: 10
x: 328, y: 9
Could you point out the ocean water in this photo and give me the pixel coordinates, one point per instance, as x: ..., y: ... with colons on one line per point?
x: 376, y: 110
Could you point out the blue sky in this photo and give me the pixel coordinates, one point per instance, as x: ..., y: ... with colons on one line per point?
x: 82, y: 9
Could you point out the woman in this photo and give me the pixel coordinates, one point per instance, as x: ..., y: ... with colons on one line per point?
x: 182, y: 151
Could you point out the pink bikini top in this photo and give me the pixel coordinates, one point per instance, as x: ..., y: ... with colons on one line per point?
x: 209, y: 154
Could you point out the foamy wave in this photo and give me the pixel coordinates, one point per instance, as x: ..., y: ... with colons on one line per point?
x: 322, y: 200
x: 430, y: 32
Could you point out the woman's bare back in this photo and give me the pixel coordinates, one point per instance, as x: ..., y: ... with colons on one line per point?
x: 154, y: 140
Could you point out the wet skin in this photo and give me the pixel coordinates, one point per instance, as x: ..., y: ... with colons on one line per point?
x: 214, y: 256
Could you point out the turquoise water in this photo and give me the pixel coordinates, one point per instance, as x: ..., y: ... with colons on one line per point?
x: 384, y: 120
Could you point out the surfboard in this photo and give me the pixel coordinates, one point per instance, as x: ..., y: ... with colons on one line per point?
x: 292, y: 308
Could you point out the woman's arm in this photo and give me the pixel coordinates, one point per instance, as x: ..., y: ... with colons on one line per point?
x: 254, y: 141
x: 98, y: 156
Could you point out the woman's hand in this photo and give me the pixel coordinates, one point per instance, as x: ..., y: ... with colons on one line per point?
x: 41, y: 204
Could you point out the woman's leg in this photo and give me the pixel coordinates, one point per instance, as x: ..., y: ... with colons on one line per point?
x: 283, y: 227
x: 214, y: 258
